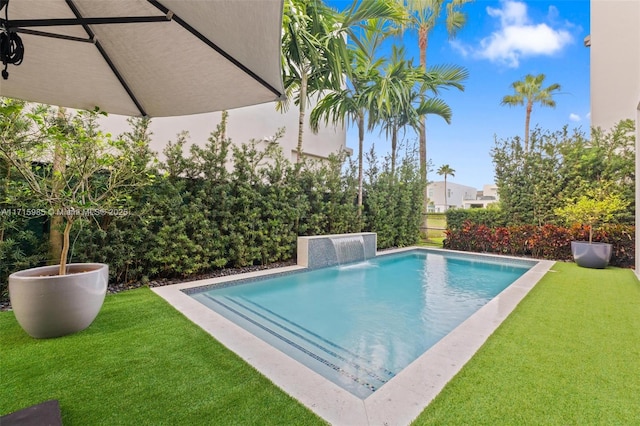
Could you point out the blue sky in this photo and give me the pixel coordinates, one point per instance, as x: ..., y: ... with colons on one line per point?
x: 502, y: 42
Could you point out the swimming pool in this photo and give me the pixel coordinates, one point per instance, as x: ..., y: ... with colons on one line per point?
x: 403, y: 385
x: 360, y: 324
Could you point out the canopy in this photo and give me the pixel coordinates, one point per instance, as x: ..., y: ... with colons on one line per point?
x: 144, y: 57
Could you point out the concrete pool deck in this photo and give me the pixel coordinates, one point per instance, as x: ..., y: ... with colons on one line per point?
x: 400, y: 400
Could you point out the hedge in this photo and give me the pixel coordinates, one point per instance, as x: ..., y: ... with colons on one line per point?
x: 199, y: 215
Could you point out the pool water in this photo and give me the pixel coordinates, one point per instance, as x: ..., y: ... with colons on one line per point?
x: 360, y: 324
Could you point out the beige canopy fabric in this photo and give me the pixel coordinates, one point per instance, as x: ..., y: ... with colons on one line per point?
x: 200, y: 55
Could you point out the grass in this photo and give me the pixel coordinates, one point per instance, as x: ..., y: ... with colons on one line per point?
x: 437, y: 223
x: 140, y: 363
x: 431, y: 242
x: 569, y: 354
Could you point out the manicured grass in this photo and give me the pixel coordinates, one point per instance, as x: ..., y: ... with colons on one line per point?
x: 437, y: 220
x: 140, y: 363
x: 432, y: 242
x: 569, y: 354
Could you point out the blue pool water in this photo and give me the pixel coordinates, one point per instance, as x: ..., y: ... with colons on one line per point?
x: 360, y: 324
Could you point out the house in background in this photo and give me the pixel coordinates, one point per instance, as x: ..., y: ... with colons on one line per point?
x: 488, y: 195
x: 456, y: 196
x: 614, y: 45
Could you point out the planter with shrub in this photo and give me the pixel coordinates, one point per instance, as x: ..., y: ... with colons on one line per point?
x: 70, y: 170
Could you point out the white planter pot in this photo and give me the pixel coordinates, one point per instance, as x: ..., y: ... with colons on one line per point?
x: 591, y: 255
x: 50, y: 305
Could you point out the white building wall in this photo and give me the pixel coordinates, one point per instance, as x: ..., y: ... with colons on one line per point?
x: 490, y: 190
x: 615, y: 74
x: 456, y: 195
x: 615, y: 61
x: 253, y: 122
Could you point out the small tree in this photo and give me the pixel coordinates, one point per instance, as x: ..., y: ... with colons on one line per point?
x: 98, y: 174
x: 594, y: 208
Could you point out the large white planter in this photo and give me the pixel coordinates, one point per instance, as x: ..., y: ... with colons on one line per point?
x: 50, y: 305
x: 591, y: 255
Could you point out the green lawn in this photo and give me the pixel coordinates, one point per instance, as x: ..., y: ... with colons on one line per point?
x: 140, y: 363
x: 569, y: 354
x: 437, y: 223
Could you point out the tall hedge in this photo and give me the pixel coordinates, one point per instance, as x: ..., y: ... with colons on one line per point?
x: 228, y: 205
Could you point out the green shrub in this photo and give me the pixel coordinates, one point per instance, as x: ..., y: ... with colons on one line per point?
x: 197, y: 215
x: 489, y: 217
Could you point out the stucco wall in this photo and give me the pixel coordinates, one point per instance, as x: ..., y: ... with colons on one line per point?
x: 615, y: 61
x: 254, y: 122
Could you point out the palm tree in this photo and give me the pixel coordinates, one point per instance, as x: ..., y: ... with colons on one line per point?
x: 401, y: 95
x: 423, y: 17
x: 529, y: 91
x: 314, y: 47
x: 446, y: 170
x: 354, y: 102
x: 310, y: 54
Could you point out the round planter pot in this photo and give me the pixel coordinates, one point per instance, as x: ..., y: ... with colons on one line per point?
x: 50, y: 305
x: 591, y: 255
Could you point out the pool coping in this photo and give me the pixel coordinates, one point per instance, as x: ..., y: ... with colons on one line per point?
x: 400, y: 400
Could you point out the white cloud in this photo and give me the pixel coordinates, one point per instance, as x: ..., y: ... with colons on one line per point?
x: 512, y: 13
x: 518, y: 37
x: 589, y: 116
x: 574, y: 117
x: 461, y: 48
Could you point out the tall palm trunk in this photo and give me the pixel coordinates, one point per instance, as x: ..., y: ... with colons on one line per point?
x: 394, y: 144
x: 302, y: 112
x: 360, y: 149
x: 423, y: 42
x: 526, y: 125
x: 446, y: 205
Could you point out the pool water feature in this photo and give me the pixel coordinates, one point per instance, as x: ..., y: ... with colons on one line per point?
x: 349, y: 249
x: 360, y: 324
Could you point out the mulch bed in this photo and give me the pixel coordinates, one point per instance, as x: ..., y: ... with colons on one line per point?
x: 5, y: 305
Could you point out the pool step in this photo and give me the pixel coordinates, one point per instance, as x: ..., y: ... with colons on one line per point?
x: 305, y: 345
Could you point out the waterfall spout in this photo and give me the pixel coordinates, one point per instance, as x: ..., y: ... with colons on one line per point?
x: 349, y: 249
x: 319, y: 251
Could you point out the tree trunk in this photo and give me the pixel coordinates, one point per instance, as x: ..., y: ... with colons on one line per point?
x: 394, y: 144
x: 57, y: 221
x: 526, y: 126
x: 303, y: 107
x: 446, y: 205
x: 360, y: 148
x: 65, y: 247
x: 423, y: 42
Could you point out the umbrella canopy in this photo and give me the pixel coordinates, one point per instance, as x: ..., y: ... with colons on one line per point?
x: 144, y: 57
